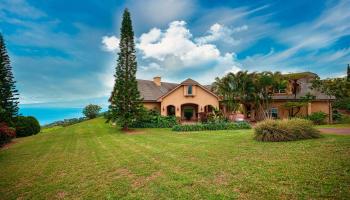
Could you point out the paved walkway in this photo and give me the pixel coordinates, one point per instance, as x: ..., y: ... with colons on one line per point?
x: 336, y: 131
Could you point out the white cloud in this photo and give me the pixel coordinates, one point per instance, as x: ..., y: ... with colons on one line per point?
x: 174, y: 51
x: 152, y: 67
x: 176, y: 41
x: 110, y: 43
x: 21, y: 8
x: 313, y: 40
x: 219, y: 32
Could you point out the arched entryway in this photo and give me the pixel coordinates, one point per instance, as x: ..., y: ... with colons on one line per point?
x: 208, y: 108
x: 170, y: 110
x: 189, y: 112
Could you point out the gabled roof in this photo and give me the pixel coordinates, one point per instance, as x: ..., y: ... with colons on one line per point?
x: 189, y: 82
x: 149, y: 91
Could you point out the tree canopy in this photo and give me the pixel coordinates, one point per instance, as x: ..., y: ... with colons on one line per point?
x: 125, y: 100
x: 8, y: 91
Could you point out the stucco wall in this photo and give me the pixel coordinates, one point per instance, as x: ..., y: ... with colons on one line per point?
x: 152, y: 105
x: 283, y: 112
x: 315, y: 106
x: 201, y: 97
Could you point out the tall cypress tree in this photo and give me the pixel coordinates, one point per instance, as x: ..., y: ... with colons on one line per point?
x: 8, y: 92
x: 348, y: 75
x: 125, y: 100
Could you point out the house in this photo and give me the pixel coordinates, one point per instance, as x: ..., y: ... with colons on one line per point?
x: 187, y: 99
x: 184, y: 100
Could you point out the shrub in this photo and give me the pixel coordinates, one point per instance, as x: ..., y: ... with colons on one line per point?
x: 66, y: 122
x: 152, y: 119
x: 26, y: 126
x: 6, y: 134
x: 91, y: 111
x: 317, y: 117
x: 212, y: 126
x: 285, y: 130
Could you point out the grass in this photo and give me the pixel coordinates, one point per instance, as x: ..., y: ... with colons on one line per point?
x: 334, y: 126
x: 92, y: 160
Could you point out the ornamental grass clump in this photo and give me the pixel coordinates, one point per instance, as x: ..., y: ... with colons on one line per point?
x: 285, y: 130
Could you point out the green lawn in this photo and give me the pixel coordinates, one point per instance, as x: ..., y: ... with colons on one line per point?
x: 92, y: 160
x: 334, y: 126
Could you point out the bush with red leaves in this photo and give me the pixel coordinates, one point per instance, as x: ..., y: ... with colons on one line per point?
x: 6, y: 134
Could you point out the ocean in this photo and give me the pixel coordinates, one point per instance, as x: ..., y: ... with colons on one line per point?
x: 46, y: 115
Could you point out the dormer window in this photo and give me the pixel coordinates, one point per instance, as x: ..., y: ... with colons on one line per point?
x: 189, y: 90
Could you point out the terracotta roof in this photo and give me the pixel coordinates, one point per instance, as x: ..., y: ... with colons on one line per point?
x: 151, y: 92
x: 189, y: 82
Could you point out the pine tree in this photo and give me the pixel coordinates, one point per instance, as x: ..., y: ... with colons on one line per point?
x: 8, y: 92
x: 348, y: 76
x: 125, y: 100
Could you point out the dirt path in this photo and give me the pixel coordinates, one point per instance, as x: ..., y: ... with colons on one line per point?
x: 335, y: 131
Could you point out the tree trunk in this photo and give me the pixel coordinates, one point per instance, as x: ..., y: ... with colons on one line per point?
x: 125, y: 127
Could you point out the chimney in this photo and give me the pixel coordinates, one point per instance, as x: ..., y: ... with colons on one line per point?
x: 157, y: 80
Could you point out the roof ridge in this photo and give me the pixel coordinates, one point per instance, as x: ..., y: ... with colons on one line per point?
x: 152, y: 81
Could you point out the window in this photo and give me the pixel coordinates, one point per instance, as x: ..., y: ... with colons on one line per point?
x: 189, y: 90
x: 280, y: 91
x: 274, y: 113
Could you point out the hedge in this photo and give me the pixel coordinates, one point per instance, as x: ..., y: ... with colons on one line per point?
x: 157, y: 121
x: 212, y: 126
x: 26, y: 126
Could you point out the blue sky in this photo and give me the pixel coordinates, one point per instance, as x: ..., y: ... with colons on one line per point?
x: 63, y: 52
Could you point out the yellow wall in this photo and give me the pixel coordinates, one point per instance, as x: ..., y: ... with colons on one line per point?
x: 200, y: 97
x: 152, y: 105
x: 315, y: 106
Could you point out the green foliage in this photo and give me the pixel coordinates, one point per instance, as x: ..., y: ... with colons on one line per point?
x: 295, y: 106
x: 6, y: 134
x: 188, y: 113
x: 342, y: 103
x: 152, y: 119
x: 335, y: 87
x: 317, y: 117
x: 125, y: 100
x: 216, y: 116
x: 66, y: 122
x: 212, y: 126
x: 26, y: 126
x: 249, y: 88
x: 8, y: 92
x: 285, y: 130
x: 343, y: 119
x: 91, y: 111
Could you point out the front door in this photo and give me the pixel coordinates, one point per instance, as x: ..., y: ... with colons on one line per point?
x: 189, y: 112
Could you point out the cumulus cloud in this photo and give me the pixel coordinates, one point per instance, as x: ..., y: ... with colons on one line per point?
x: 110, y: 43
x: 175, y: 51
x: 219, y: 32
x: 176, y: 41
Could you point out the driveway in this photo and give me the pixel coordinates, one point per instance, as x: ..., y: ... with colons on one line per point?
x: 335, y: 131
